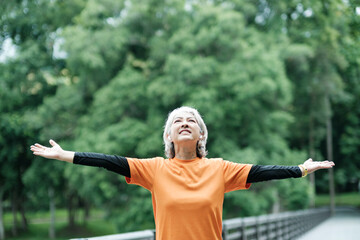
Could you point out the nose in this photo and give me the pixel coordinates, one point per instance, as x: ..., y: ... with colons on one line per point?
x: 185, y: 124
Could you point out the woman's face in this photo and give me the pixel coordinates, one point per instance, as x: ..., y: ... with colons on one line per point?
x: 184, y: 128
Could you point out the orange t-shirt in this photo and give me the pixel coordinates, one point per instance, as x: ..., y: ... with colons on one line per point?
x: 188, y: 195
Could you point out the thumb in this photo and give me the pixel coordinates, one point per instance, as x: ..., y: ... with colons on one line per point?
x: 307, y: 162
x: 52, y: 142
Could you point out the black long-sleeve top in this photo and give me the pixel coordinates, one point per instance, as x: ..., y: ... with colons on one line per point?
x: 120, y: 165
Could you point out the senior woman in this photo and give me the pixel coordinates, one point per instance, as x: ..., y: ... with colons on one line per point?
x: 187, y: 188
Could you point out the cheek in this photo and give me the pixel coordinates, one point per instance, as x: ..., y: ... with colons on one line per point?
x: 198, y: 130
x: 172, y: 134
x: 173, y: 129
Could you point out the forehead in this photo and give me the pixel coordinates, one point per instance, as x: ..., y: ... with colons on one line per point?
x: 183, y: 114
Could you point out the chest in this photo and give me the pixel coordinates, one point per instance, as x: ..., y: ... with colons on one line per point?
x: 188, y: 187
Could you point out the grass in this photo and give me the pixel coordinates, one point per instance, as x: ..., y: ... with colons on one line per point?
x: 343, y: 199
x: 39, y: 226
x: 40, y: 231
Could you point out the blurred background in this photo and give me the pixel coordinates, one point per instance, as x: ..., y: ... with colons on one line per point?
x: 277, y: 82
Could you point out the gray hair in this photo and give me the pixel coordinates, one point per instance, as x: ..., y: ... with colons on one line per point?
x: 169, y: 145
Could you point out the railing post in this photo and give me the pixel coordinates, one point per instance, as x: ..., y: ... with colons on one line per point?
x: 258, y: 232
x: 268, y: 227
x: 243, y: 230
x: 278, y: 227
x: 287, y: 220
x: 224, y: 232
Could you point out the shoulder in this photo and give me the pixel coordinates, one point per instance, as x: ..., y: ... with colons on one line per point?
x: 214, y: 161
x: 146, y: 161
x: 227, y: 164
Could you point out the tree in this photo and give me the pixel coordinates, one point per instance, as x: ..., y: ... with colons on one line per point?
x: 102, y: 76
x: 26, y: 80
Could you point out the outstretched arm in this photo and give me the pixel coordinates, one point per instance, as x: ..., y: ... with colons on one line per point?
x: 259, y: 173
x: 112, y: 163
x: 55, y: 152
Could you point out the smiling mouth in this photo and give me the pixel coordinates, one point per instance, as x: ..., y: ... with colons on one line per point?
x: 184, y: 131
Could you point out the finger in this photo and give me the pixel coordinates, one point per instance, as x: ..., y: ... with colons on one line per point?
x: 39, y: 146
x: 331, y: 164
x: 33, y: 148
x: 37, y: 153
x: 326, y: 165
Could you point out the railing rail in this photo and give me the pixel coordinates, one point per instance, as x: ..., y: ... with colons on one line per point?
x: 287, y: 225
x: 280, y: 226
x: 138, y: 235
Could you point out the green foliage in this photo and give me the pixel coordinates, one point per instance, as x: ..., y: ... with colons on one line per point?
x: 258, y: 71
x: 247, y: 203
x: 294, y: 194
x: 129, y: 218
x: 125, y: 96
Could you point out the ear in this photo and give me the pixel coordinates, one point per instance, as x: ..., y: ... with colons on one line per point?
x: 201, y: 135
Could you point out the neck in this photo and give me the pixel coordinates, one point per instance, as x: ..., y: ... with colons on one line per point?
x: 185, y: 152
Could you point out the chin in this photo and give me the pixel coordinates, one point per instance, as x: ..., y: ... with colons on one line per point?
x: 186, y: 139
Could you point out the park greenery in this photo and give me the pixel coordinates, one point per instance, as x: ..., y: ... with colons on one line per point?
x: 274, y: 81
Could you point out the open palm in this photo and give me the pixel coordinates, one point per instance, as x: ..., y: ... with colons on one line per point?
x: 312, y: 166
x: 54, y: 152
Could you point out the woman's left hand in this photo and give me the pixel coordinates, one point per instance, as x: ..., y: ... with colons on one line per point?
x: 312, y: 166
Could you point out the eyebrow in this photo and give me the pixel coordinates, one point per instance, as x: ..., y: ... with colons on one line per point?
x: 183, y: 118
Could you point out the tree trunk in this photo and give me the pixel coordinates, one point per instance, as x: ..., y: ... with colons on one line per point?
x: 330, y: 156
x: 276, y: 206
x: 71, y: 211
x: 312, y: 155
x: 52, y: 213
x: 2, y: 230
x: 24, y: 223
x: 86, y: 212
x: 14, y: 212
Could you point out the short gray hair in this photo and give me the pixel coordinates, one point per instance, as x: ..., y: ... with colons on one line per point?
x: 169, y: 145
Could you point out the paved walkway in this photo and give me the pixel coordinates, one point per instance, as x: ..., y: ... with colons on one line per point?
x: 344, y: 225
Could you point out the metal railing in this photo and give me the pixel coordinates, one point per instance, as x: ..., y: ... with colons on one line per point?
x: 287, y: 225
x: 281, y: 226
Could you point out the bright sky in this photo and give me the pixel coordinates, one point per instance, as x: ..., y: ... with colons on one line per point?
x: 7, y: 50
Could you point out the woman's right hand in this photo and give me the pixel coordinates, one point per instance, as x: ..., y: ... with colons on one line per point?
x: 55, y: 152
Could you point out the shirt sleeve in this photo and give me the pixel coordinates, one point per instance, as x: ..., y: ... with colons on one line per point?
x: 259, y: 173
x: 235, y: 176
x: 112, y: 163
x: 142, y: 172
